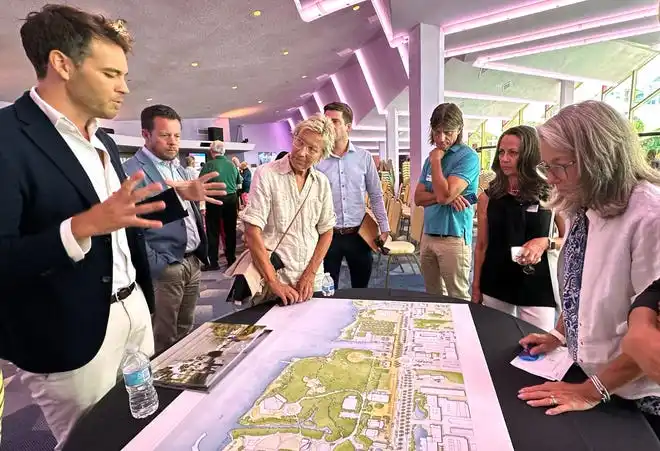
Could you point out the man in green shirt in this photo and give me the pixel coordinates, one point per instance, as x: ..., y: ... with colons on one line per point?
x: 227, y: 212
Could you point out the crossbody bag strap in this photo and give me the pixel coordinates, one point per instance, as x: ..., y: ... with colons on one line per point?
x: 552, y: 224
x: 295, y: 216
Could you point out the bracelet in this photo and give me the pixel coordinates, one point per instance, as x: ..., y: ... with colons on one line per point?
x: 558, y: 335
x: 604, y: 394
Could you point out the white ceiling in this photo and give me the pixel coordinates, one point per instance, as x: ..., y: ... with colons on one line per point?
x: 235, y: 48
x: 231, y: 46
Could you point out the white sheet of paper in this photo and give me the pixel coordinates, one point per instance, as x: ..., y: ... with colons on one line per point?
x: 552, y: 366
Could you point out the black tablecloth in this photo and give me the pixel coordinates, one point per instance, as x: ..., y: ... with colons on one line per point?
x: 615, y: 426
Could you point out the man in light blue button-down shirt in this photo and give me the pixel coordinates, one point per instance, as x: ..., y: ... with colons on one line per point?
x: 352, y: 174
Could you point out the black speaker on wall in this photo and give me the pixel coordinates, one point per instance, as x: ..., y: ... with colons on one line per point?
x: 215, y: 133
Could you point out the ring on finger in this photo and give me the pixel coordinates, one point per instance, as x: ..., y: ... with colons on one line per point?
x: 553, y: 400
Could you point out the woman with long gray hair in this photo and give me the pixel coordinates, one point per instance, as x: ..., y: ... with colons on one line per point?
x: 602, y: 181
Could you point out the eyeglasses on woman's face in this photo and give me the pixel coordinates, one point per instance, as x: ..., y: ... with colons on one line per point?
x: 555, y: 171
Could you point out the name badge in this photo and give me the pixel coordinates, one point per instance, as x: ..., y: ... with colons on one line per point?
x: 533, y: 208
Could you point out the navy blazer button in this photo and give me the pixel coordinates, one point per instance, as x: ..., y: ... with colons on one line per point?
x: 106, y: 279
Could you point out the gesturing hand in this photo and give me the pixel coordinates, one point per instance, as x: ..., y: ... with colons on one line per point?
x: 119, y: 211
x: 199, y: 189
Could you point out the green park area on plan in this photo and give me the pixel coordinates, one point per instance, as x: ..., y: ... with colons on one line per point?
x: 320, y: 385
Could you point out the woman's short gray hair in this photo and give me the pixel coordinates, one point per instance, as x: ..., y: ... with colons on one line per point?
x: 218, y: 147
x: 322, y: 125
x: 607, y: 154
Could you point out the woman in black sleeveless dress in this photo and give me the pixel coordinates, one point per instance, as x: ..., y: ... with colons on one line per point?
x: 510, y: 214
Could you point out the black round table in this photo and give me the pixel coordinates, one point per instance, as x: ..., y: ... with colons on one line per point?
x: 615, y: 426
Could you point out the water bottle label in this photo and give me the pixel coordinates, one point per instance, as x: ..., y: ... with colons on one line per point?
x: 137, y: 377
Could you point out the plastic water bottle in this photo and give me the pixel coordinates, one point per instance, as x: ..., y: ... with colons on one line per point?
x: 328, y: 286
x: 142, y: 396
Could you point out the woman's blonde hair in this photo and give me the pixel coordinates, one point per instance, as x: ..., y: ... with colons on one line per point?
x: 322, y: 125
x: 607, y: 154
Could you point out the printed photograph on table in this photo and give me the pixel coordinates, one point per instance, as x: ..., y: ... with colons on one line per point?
x: 203, y: 357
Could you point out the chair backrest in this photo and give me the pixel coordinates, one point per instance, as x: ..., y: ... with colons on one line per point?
x: 417, y: 223
x: 394, y: 216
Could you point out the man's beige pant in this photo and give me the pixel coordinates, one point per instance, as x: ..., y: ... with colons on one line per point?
x: 446, y: 265
x: 65, y: 397
x: 177, y: 292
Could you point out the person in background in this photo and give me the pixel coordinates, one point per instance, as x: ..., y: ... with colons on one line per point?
x: 509, y: 213
x: 642, y: 341
x: 191, y: 172
x: 451, y: 170
x: 227, y: 211
x: 611, y: 197
x: 278, y: 190
x: 246, y: 175
x: 353, y: 175
x: 281, y: 155
x: 177, y: 250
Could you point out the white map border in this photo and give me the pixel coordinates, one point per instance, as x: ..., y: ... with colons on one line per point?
x: 491, y: 433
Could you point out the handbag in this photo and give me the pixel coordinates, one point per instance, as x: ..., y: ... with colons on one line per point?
x: 249, y: 284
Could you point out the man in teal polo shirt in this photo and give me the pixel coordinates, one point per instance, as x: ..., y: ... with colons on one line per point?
x: 227, y: 213
x: 450, y: 173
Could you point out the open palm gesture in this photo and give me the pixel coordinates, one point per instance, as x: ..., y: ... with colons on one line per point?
x: 200, y: 189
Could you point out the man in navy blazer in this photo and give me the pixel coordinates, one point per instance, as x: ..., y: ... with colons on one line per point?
x: 75, y: 279
x: 177, y: 251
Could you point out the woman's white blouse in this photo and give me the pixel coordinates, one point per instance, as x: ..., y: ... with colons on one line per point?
x: 622, y: 259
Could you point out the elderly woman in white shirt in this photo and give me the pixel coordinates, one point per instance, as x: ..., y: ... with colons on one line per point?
x: 277, y: 192
x: 611, y: 197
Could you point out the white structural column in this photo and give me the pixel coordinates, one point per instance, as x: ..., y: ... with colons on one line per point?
x: 392, y: 142
x: 382, y: 150
x: 426, y: 50
x: 566, y: 93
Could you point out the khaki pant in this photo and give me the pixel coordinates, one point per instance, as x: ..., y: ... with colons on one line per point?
x: 177, y: 292
x: 65, y: 397
x: 446, y: 265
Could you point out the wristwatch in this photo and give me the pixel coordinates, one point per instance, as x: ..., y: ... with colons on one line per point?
x: 551, y: 244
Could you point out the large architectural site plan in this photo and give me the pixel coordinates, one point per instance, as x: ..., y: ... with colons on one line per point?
x: 347, y: 375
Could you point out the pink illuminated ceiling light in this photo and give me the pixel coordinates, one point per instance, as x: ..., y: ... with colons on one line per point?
x: 317, y: 99
x: 540, y: 73
x: 338, y: 88
x: 511, y: 12
x: 315, y: 9
x: 568, y: 43
x: 371, y: 82
x: 558, y: 30
x: 291, y: 123
x: 303, y: 112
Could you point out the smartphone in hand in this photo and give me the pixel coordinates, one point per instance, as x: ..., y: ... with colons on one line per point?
x: 471, y: 198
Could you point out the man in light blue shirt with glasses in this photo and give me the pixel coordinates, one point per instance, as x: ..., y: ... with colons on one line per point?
x: 352, y: 174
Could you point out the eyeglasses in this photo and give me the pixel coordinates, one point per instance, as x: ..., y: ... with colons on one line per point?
x: 558, y: 171
x: 300, y: 144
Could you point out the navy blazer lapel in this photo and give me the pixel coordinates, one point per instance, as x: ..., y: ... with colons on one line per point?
x: 151, y: 172
x: 41, y: 131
